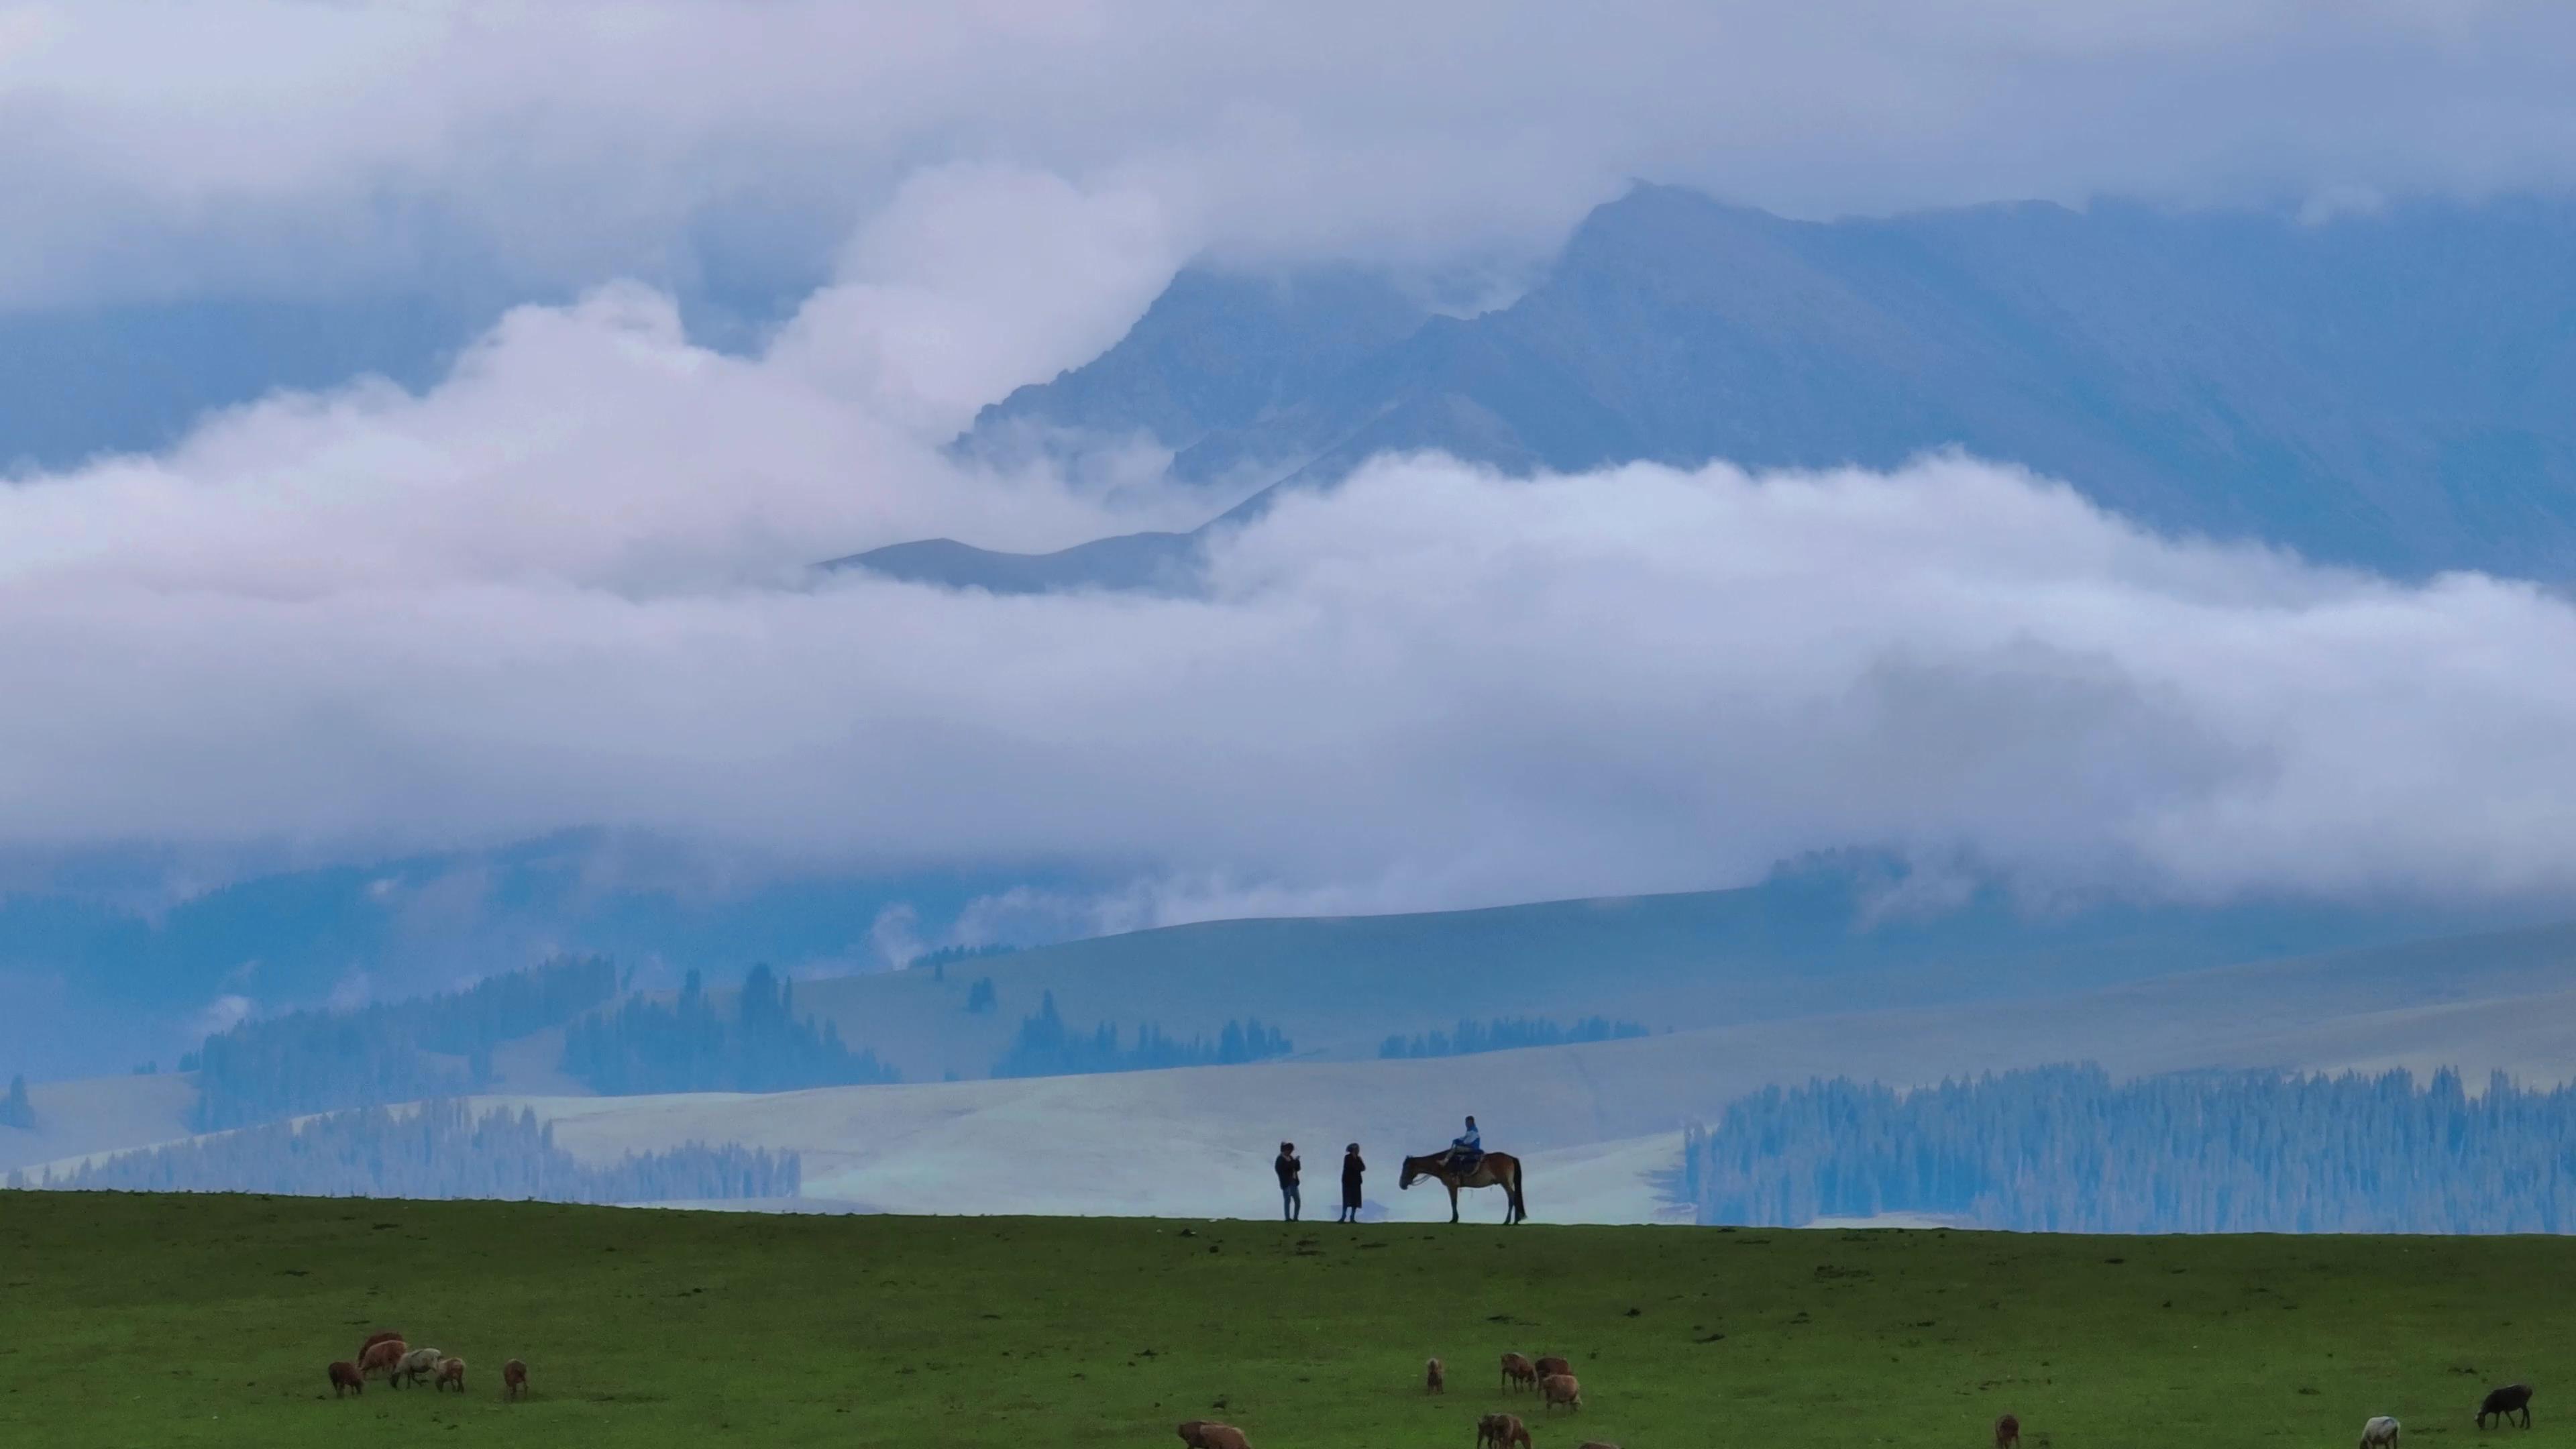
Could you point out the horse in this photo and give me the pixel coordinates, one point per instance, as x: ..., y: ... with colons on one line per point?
x: 1494, y: 1169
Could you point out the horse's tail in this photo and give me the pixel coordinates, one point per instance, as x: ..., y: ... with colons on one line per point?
x: 1520, y: 1204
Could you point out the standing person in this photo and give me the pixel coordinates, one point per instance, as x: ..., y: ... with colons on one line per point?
x: 1352, y: 1170
x: 1287, y: 1166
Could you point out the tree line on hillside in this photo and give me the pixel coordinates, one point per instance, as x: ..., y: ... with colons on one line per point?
x: 1046, y: 1047
x: 435, y: 1150
x: 1504, y: 1034
x: 320, y: 1061
x: 2067, y: 1149
x: 691, y: 1046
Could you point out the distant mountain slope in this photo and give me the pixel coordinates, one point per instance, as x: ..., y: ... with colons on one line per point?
x: 2390, y: 390
x: 1807, y: 942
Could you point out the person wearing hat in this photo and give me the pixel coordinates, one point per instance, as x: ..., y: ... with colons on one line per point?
x: 1352, y: 1170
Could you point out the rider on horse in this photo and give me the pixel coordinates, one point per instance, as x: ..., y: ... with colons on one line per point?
x: 1466, y: 1150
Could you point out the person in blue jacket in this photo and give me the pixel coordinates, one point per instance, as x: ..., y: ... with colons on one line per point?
x: 1466, y: 1150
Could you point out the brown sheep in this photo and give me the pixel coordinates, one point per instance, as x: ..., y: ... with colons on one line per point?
x: 1501, y: 1431
x: 514, y: 1379
x: 1205, y: 1434
x: 1597, y: 1444
x: 1552, y: 1365
x: 1518, y: 1371
x: 2008, y: 1433
x: 416, y: 1365
x: 385, y: 1357
x: 451, y: 1371
x: 344, y: 1377
x: 2502, y: 1404
x: 1433, y: 1380
x: 1559, y: 1389
x: 387, y: 1336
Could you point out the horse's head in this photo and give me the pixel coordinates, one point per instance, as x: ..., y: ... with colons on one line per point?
x: 1410, y: 1173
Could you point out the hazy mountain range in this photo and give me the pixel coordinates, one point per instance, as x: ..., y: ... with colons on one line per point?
x: 2386, y: 390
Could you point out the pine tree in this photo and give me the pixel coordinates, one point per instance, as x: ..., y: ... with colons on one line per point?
x: 15, y: 1109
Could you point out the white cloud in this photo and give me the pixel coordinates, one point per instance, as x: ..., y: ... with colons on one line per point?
x: 279, y: 145
x: 563, y: 590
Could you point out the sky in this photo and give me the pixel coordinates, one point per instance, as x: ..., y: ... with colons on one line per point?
x: 565, y: 584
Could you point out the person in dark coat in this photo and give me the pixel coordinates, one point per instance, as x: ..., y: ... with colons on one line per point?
x: 1287, y: 1166
x: 1352, y: 1170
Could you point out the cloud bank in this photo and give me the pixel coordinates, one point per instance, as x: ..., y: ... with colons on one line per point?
x: 275, y: 145
x: 568, y: 588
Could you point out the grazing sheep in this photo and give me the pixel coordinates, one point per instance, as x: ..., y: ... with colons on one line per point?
x: 387, y: 1336
x: 1552, y: 1365
x: 2504, y: 1403
x: 451, y: 1371
x: 344, y: 1377
x: 1518, y: 1371
x: 1561, y: 1389
x: 514, y: 1379
x: 1596, y: 1444
x: 2007, y: 1433
x: 385, y: 1357
x: 1433, y: 1380
x: 416, y: 1365
x: 2379, y: 1433
x: 1501, y: 1431
x: 1207, y: 1434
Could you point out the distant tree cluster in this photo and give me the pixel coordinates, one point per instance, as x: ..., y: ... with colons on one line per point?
x: 2065, y: 1149
x: 15, y: 1109
x: 1046, y: 1047
x: 979, y: 997
x: 937, y: 962
x: 435, y: 1150
x: 320, y: 1061
x: 691, y: 1046
x: 1503, y: 1034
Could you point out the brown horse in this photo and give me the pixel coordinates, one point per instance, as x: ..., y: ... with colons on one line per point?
x: 1494, y: 1169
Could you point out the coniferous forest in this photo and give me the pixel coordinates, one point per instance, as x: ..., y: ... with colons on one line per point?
x: 692, y: 1046
x: 2067, y: 1149
x: 1503, y: 1034
x: 438, y: 1149
x: 1046, y: 1047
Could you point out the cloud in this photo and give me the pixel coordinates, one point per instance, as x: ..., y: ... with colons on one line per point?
x: 566, y: 588
x: 284, y: 146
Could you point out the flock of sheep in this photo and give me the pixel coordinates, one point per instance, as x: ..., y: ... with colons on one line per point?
x: 401, y: 1364
x: 1551, y: 1378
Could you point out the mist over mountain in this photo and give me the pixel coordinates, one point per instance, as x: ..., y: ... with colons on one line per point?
x: 2385, y: 390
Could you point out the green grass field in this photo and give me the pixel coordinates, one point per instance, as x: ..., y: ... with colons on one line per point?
x: 164, y: 1321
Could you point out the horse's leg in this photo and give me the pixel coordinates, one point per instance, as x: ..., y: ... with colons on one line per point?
x: 1453, y: 1201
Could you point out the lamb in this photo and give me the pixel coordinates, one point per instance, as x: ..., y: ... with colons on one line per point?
x: 1501, y: 1431
x: 416, y: 1365
x: 2504, y: 1403
x: 1553, y: 1365
x: 514, y: 1379
x: 385, y: 1357
x: 2379, y: 1433
x: 1561, y: 1389
x: 1205, y: 1434
x: 345, y: 1377
x: 1518, y: 1371
x: 450, y: 1371
x: 1433, y: 1380
x: 2008, y: 1433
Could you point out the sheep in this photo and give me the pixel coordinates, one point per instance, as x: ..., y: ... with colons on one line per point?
x: 450, y: 1371
x: 2379, y: 1433
x: 1596, y: 1444
x: 1205, y: 1434
x: 1553, y: 1365
x: 1434, y: 1381
x: 2008, y: 1433
x: 1518, y: 1371
x: 416, y: 1365
x: 387, y: 1336
x: 2504, y: 1403
x: 345, y: 1377
x: 1501, y: 1431
x: 514, y: 1379
x: 1559, y: 1389
x: 385, y: 1356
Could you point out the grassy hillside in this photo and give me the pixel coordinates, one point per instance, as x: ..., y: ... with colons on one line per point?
x: 175, y: 1321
